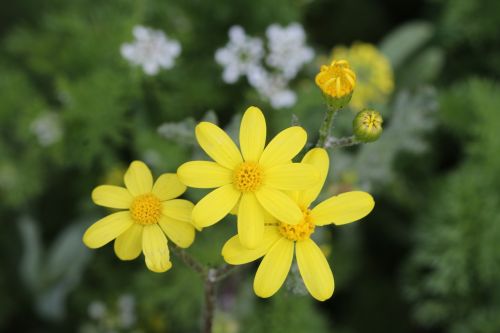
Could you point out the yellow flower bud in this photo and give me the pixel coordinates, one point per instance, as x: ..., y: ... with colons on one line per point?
x: 337, y: 82
x: 367, y: 125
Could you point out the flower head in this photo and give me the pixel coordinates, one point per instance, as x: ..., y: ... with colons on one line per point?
x: 240, y: 55
x: 336, y: 80
x: 148, y: 213
x: 250, y: 180
x: 375, y: 78
x: 152, y: 50
x: 287, y: 49
x: 281, y: 239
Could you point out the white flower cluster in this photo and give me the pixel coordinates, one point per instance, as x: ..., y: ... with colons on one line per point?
x: 241, y: 55
x: 151, y: 49
x: 287, y: 53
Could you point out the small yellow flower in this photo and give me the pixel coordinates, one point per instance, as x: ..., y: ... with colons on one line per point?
x: 148, y: 213
x: 252, y: 180
x: 280, y: 239
x: 375, y: 78
x: 337, y: 79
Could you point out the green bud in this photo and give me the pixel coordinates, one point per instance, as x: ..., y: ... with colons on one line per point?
x: 367, y: 125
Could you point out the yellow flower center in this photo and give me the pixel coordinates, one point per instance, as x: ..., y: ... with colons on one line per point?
x: 337, y: 79
x: 300, y: 231
x: 146, y: 209
x: 248, y: 177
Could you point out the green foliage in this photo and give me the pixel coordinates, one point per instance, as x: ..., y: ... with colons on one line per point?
x: 52, y: 275
x: 455, y: 266
x: 467, y: 29
x: 411, y: 53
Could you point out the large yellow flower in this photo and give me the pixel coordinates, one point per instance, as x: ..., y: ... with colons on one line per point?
x: 253, y: 179
x: 281, y: 239
x: 149, y: 212
x: 375, y: 78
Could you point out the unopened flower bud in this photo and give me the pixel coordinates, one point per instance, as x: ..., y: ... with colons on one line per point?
x: 337, y: 82
x: 367, y: 125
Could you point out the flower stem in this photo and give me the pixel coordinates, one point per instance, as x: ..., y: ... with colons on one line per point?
x: 326, y: 126
x: 190, y: 261
x: 210, y: 300
x: 341, y: 142
x: 210, y: 276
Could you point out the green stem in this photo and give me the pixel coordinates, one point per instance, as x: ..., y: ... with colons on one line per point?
x: 326, y: 126
x: 342, y: 142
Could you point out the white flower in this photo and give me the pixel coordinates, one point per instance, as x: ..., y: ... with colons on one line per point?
x: 272, y: 87
x: 240, y: 55
x: 151, y: 49
x: 47, y: 128
x: 288, y: 52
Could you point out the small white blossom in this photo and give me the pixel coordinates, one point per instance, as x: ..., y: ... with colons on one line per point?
x: 97, y: 310
x: 287, y: 49
x: 47, y: 128
x: 126, y: 314
x: 240, y: 55
x: 272, y: 87
x: 151, y: 49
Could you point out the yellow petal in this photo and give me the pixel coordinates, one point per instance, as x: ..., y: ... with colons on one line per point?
x: 252, y: 134
x: 215, y: 205
x: 107, y: 229
x: 284, y: 146
x: 319, y: 158
x: 165, y: 266
x: 128, y: 245
x: 204, y: 174
x: 250, y: 221
x: 291, y: 176
x: 179, y: 232
x: 235, y: 253
x: 168, y: 186
x: 274, y: 268
x: 314, y: 270
x: 178, y: 209
x: 112, y: 196
x: 218, y: 145
x: 344, y: 208
x: 155, y: 248
x: 138, y: 178
x: 279, y: 205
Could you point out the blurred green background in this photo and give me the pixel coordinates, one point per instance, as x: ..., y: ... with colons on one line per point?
x: 74, y: 113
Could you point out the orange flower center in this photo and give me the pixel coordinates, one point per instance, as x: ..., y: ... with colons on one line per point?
x: 247, y: 177
x: 146, y: 209
x: 298, y: 232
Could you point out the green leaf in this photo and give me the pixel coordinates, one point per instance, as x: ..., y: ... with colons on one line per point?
x: 405, y: 41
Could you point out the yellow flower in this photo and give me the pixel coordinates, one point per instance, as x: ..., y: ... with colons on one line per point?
x: 375, y: 79
x: 148, y: 213
x: 337, y: 79
x: 253, y: 179
x: 280, y: 239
